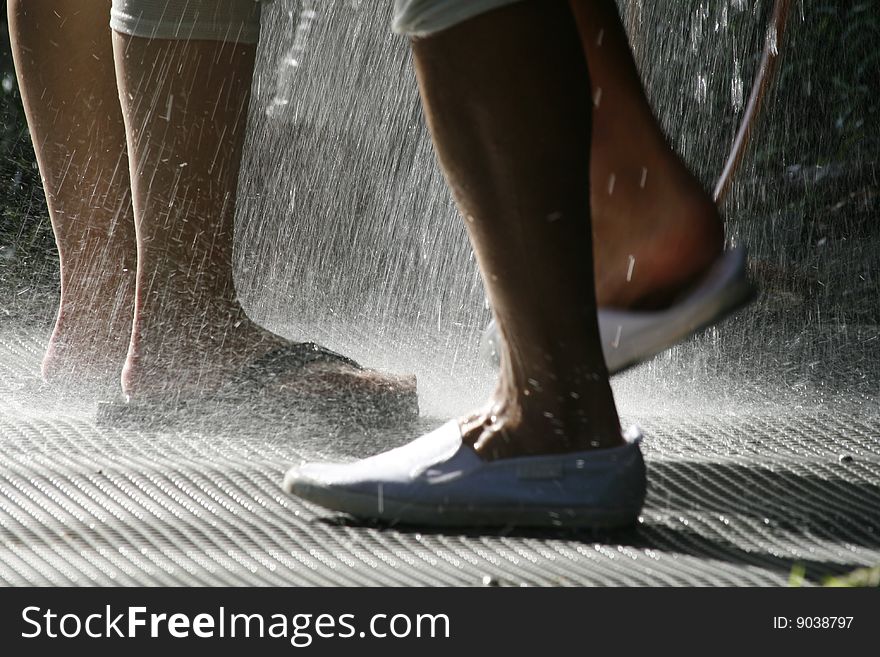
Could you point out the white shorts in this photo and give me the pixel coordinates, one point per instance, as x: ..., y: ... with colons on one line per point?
x: 239, y: 20
x: 424, y: 17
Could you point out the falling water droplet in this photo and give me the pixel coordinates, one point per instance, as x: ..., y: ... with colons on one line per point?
x: 736, y: 88
x: 702, y: 89
x: 772, y: 41
x: 168, y: 104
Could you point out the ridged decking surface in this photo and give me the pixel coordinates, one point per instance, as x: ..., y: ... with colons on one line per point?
x: 735, y: 498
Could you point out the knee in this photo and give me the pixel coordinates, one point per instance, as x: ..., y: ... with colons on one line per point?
x: 215, y: 20
x: 425, y: 17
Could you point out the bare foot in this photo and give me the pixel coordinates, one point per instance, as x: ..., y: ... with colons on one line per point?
x: 90, y: 339
x: 201, y: 355
x: 655, y: 230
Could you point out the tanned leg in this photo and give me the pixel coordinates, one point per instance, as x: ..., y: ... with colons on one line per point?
x: 509, y: 112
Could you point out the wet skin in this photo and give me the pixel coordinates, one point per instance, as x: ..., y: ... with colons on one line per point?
x: 183, y: 327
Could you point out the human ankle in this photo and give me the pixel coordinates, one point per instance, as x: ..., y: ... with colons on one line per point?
x: 544, y: 418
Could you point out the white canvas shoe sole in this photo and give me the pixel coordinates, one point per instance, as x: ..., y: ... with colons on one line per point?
x: 631, y: 337
x: 437, y: 480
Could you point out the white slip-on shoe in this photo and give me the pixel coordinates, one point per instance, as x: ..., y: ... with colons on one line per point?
x: 631, y: 337
x: 437, y: 480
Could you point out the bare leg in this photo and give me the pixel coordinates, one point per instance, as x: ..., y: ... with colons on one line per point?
x: 509, y: 112
x: 645, y: 202
x: 185, y: 108
x: 64, y: 61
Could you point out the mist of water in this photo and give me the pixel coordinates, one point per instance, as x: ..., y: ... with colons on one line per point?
x: 349, y: 234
